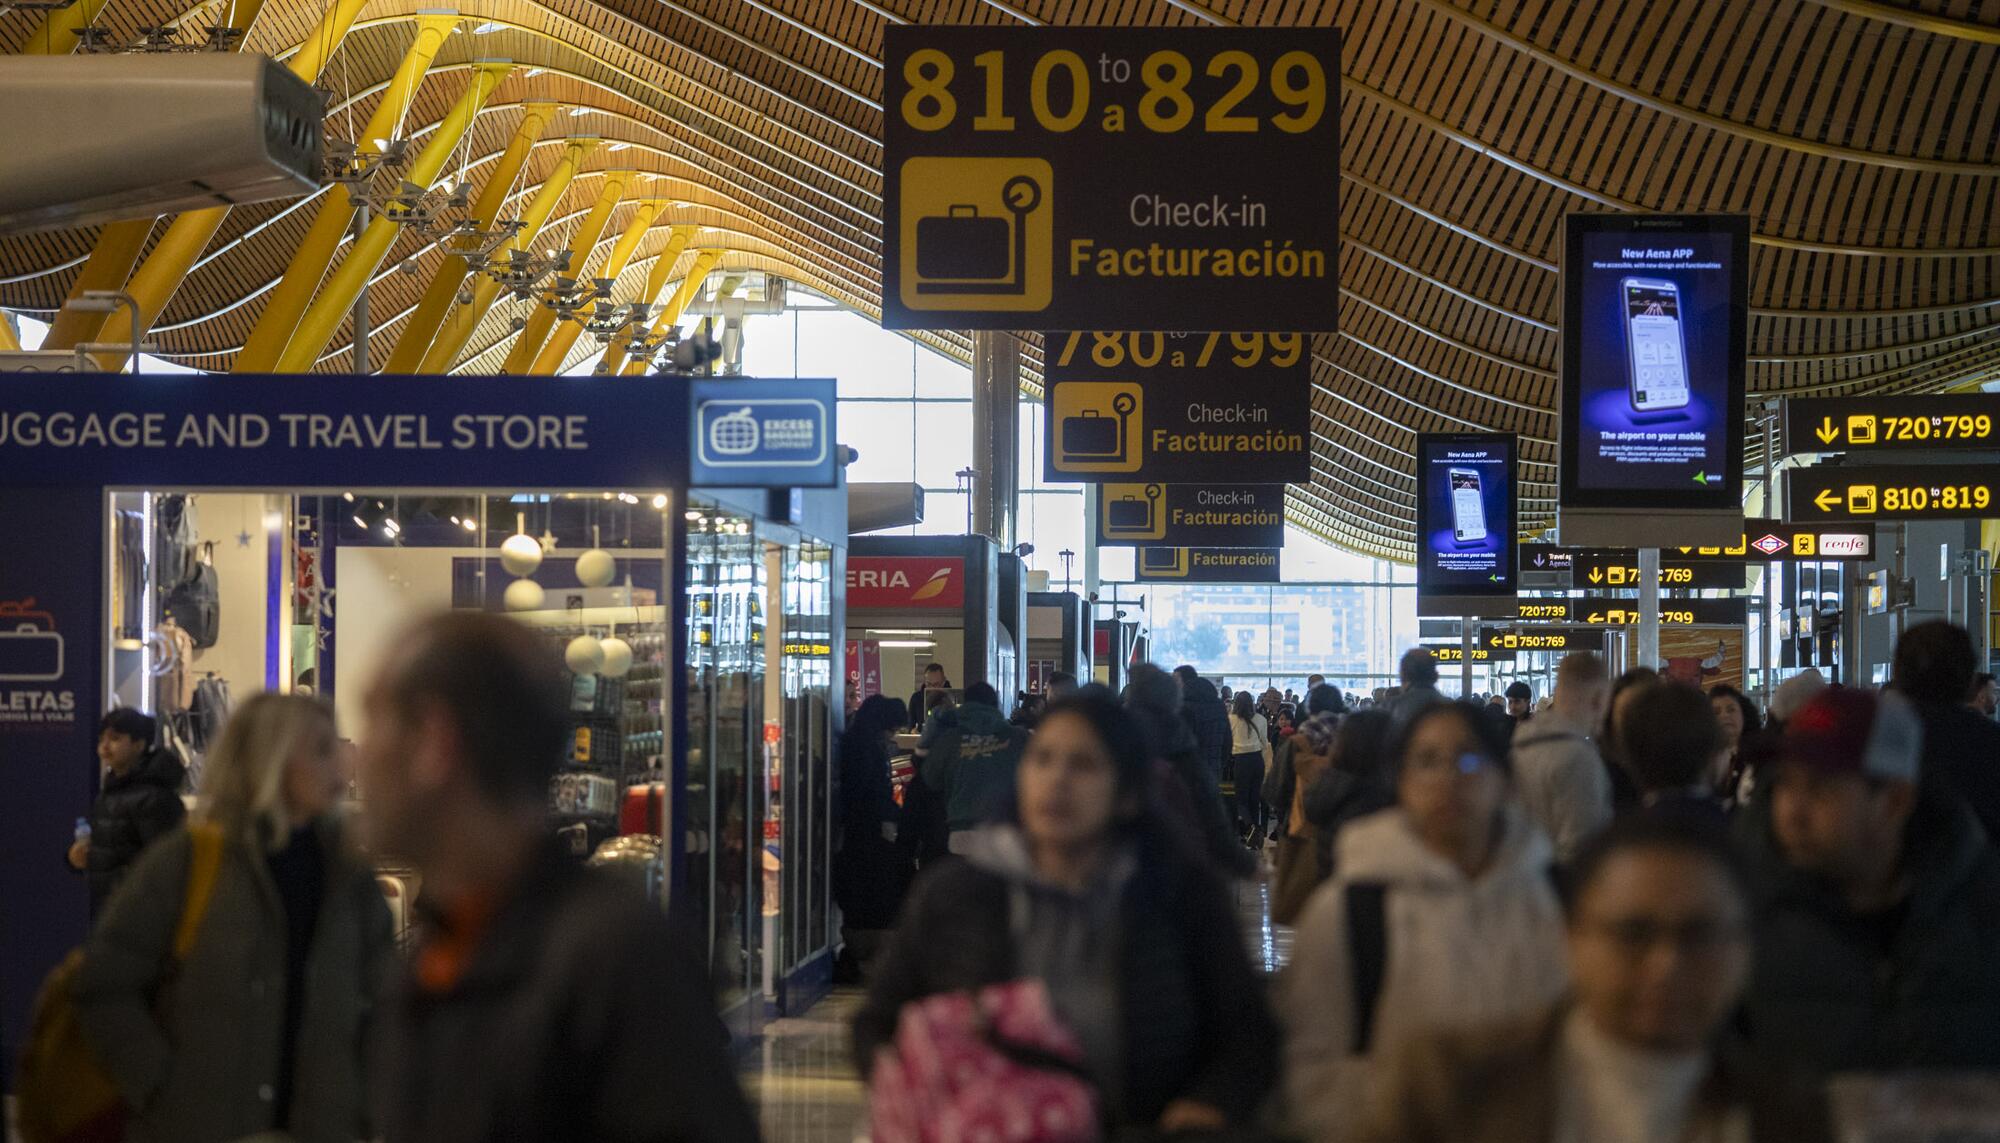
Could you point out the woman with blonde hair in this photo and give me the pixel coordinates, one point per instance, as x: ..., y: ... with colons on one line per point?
x: 260, y: 1027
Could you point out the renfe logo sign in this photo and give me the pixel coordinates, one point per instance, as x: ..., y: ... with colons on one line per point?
x: 905, y: 581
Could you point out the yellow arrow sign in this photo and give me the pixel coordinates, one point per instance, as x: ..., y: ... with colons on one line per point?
x: 1827, y: 432
x: 1596, y: 576
x: 1827, y: 500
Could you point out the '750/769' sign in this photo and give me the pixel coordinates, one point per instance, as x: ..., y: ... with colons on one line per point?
x: 1111, y: 178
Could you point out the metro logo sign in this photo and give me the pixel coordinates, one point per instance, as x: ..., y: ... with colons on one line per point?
x: 905, y: 581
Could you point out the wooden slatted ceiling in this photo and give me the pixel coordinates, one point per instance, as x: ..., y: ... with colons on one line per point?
x: 1864, y: 149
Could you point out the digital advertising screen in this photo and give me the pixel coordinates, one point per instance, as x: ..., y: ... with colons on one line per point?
x: 1655, y: 321
x: 1465, y: 524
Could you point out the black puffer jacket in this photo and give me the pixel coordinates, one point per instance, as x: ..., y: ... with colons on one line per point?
x: 133, y: 810
x: 1827, y: 993
x: 1202, y: 706
x: 1196, y: 1022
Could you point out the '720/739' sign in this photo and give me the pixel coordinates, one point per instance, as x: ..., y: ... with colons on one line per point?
x: 1111, y: 178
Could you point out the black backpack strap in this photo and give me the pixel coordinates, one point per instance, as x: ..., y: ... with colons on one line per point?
x: 1368, y: 949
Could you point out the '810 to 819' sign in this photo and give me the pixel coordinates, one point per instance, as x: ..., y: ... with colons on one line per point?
x: 1111, y: 178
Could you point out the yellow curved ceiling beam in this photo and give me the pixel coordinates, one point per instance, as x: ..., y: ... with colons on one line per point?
x: 1480, y: 147
x: 1921, y: 21
x: 1769, y: 138
x: 417, y: 336
x: 549, y: 360
x: 314, y: 253
x: 465, y: 317
x: 356, y: 270
x: 154, y: 282
x: 529, y: 341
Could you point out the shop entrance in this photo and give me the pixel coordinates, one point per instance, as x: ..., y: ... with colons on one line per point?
x: 224, y: 546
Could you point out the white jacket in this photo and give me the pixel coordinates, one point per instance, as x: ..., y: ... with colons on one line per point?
x: 1561, y: 781
x: 1458, y: 952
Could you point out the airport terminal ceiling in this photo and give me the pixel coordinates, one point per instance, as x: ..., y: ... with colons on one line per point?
x: 1862, y: 138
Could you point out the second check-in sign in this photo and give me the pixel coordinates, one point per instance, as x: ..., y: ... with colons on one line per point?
x: 1111, y: 178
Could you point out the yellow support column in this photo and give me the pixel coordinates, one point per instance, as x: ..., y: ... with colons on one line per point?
x: 549, y: 361
x: 466, y: 318
x: 656, y: 283
x: 320, y: 322
x: 163, y: 271
x: 423, y: 325
x: 118, y: 243
x: 10, y: 341
x: 581, y: 244
x: 671, y: 313
x: 288, y: 299
x: 57, y: 35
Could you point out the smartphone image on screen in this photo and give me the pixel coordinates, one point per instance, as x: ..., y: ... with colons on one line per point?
x: 1468, y: 507
x: 1655, y: 346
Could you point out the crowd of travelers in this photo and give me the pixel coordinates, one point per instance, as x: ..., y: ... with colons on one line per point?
x: 1633, y: 910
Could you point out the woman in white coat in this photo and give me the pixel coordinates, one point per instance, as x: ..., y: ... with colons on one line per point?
x: 1443, y: 913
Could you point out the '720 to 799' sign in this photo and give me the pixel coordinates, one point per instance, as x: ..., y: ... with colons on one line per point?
x: 1111, y: 178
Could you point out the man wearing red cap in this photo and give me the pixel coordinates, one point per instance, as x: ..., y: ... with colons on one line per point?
x: 1879, y: 916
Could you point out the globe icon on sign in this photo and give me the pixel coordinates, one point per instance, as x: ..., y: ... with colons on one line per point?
x: 733, y: 434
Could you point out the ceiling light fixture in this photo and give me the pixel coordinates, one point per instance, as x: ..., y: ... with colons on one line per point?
x: 488, y: 28
x: 533, y: 72
x: 618, y: 146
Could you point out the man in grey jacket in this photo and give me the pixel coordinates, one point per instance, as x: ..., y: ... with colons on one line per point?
x: 1557, y: 769
x: 543, y: 1002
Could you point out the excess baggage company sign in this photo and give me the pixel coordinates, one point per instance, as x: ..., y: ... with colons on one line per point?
x: 1201, y: 515
x: 1155, y: 178
x: 1195, y: 408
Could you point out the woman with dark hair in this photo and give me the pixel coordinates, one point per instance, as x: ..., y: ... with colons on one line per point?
x: 1250, y: 740
x: 871, y: 870
x: 1624, y: 790
x: 1136, y: 944
x: 1360, y: 781
x: 1741, y: 725
x: 1442, y: 914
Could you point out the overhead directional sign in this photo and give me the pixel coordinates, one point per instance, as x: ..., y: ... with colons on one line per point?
x: 1596, y: 609
x: 1892, y: 492
x: 1197, y: 408
x: 1110, y: 178
x: 1198, y: 515
x: 1545, y: 557
x: 1556, y: 639
x: 1454, y: 653
x: 763, y: 433
x: 1546, y: 610
x: 1208, y: 565
x: 1612, y: 612
x: 1620, y: 568
x: 1863, y: 424
x: 1777, y: 540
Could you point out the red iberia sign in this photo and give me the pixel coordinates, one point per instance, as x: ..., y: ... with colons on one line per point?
x: 905, y: 581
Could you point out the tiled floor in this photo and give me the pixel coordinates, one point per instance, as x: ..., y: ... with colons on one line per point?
x: 803, y: 1082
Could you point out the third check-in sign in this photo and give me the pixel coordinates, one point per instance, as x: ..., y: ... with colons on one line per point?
x: 1111, y: 178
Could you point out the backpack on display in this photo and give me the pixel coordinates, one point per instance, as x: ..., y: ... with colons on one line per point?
x: 175, y: 551
x: 196, y: 604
